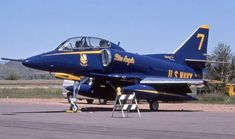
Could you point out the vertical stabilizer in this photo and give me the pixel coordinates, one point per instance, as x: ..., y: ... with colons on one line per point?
x: 195, y: 47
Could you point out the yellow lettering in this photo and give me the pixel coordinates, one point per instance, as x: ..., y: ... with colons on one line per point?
x: 190, y: 76
x: 201, y: 36
x: 128, y: 60
x: 170, y: 73
x: 186, y: 75
x: 118, y: 57
x: 125, y: 59
x: 181, y: 74
x: 176, y: 74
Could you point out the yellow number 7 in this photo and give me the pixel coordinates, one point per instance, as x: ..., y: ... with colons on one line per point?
x: 201, y: 36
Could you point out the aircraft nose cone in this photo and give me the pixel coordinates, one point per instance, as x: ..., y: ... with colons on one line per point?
x: 38, y: 62
x: 26, y: 62
x: 31, y: 62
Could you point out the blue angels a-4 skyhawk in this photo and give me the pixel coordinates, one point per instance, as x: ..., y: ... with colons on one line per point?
x: 104, y: 66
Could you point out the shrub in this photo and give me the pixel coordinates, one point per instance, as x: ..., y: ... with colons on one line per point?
x: 12, y: 76
x: 216, y: 98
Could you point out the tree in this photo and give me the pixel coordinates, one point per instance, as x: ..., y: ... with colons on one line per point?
x: 219, y: 71
x: 232, y: 69
x: 12, y: 76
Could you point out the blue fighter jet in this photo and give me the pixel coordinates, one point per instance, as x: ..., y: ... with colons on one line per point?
x: 104, y: 66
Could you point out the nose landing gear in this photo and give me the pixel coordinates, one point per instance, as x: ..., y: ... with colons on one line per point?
x: 73, y: 100
x: 76, y: 88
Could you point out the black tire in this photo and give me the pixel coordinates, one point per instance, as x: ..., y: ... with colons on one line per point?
x: 102, y: 101
x: 90, y: 101
x: 69, y: 96
x: 74, y: 108
x: 153, y: 105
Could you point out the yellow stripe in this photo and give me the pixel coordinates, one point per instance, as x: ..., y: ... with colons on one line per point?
x: 67, y: 76
x: 72, y: 53
x: 156, y: 92
x: 204, y: 26
x: 148, y: 91
x: 170, y: 94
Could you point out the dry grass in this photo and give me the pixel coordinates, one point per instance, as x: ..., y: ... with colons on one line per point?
x: 216, y: 98
x: 31, y: 82
x: 30, y: 93
x: 30, y: 88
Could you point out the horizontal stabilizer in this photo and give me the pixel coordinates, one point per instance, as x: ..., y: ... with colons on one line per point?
x: 205, y: 61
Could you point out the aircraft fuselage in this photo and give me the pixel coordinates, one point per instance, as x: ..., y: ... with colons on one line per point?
x: 121, y: 62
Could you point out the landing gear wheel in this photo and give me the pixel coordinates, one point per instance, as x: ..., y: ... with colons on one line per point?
x: 74, y: 108
x: 73, y: 105
x: 154, y: 105
x: 102, y: 101
x: 90, y: 101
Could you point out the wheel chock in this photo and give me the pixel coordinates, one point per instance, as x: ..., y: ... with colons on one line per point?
x: 70, y: 111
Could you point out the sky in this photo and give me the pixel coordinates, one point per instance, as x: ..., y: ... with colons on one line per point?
x: 30, y: 27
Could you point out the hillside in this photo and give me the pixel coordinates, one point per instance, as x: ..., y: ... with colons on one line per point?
x: 16, y: 68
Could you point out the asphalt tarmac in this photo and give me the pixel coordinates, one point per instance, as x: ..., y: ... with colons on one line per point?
x: 50, y: 121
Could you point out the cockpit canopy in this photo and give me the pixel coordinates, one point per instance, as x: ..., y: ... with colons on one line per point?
x: 83, y: 43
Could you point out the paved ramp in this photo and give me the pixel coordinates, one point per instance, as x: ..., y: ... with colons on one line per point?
x: 24, y: 121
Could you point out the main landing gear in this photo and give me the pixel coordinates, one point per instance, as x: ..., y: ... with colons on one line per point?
x: 153, y: 105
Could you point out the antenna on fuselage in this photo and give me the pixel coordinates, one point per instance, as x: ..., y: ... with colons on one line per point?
x: 118, y: 44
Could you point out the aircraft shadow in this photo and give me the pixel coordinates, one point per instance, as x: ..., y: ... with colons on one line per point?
x: 146, y: 110
x: 99, y: 109
x: 87, y: 104
x: 28, y: 112
x: 96, y: 109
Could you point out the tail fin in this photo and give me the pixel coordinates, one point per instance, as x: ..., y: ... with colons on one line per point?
x: 195, y: 48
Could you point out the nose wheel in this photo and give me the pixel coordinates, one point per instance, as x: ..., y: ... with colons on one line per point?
x: 73, y: 105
